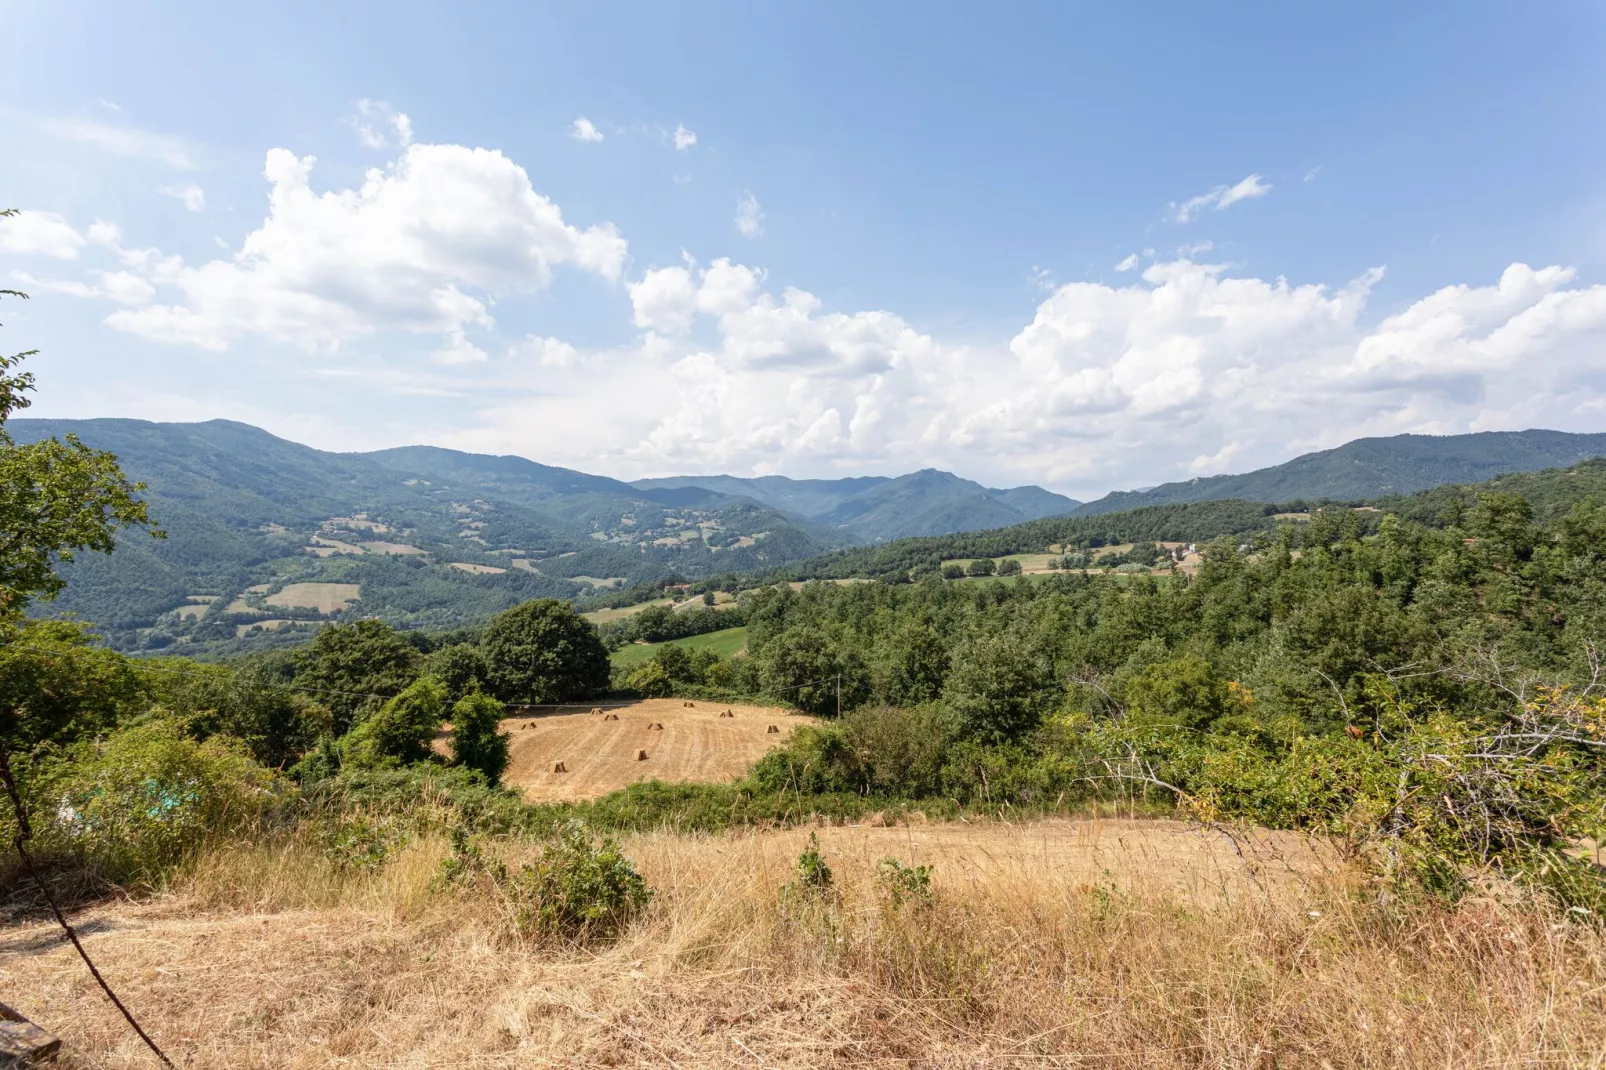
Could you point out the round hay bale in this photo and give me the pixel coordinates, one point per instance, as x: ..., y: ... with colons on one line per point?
x: 772, y: 731
x: 656, y: 726
x: 641, y: 756
x: 560, y: 768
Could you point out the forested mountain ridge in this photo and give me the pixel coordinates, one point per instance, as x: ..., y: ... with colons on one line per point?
x: 1550, y: 493
x: 263, y: 535
x: 1373, y: 468
x: 877, y: 508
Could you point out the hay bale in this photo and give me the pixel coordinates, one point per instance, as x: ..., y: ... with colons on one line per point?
x: 610, y: 717
x: 595, y: 710
x: 772, y: 731
x: 656, y: 726
x: 641, y: 756
x: 560, y: 768
x: 689, y: 705
x: 728, y: 713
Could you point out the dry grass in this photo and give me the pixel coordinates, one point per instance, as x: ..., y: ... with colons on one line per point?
x: 324, y: 597
x: 1105, y: 943
x: 696, y: 745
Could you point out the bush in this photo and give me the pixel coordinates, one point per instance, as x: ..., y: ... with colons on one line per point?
x: 477, y: 740
x: 133, y: 807
x: 904, y: 885
x: 814, y: 878
x: 579, y: 889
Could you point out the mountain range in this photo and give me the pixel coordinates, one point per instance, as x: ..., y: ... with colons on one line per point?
x: 266, y: 535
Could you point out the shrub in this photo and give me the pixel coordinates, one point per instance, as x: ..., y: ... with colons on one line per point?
x: 814, y: 878
x: 477, y: 741
x: 580, y: 889
x: 134, y: 806
x: 904, y: 885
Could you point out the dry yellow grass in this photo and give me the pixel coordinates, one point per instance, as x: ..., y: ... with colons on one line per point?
x: 484, y: 570
x: 1094, y: 943
x: 696, y: 744
x: 324, y: 597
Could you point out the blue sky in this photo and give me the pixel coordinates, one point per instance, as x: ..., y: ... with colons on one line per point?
x: 1355, y: 220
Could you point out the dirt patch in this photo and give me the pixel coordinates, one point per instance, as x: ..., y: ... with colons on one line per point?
x: 324, y: 597
x: 695, y: 744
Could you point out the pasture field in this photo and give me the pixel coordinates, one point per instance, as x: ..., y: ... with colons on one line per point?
x: 603, y: 616
x: 695, y: 744
x: 1065, y: 943
x: 324, y: 597
x: 724, y: 643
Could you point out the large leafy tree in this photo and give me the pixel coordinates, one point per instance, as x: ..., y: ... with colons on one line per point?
x: 57, y: 498
x: 543, y: 652
x: 355, y: 667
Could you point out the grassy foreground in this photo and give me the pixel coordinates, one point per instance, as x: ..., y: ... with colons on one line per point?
x: 1058, y: 943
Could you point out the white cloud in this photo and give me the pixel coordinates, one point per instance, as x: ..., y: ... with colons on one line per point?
x: 193, y: 196
x: 1221, y: 197
x: 458, y: 350
x: 1188, y: 370
x: 1129, y: 262
x: 380, y: 126
x: 423, y: 245
x: 41, y: 234
x: 1313, y: 172
x: 119, y: 286
x: 585, y: 130
x: 749, y: 215
x: 684, y: 139
x: 547, y: 352
x: 122, y: 141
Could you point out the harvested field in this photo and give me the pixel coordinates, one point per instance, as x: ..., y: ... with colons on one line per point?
x: 324, y: 597
x: 602, y: 616
x: 1104, y: 943
x: 695, y: 744
x: 483, y: 570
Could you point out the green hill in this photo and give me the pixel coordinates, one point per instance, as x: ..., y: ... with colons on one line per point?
x: 1375, y: 467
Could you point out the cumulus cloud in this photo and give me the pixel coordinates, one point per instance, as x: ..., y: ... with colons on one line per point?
x: 41, y: 234
x: 122, y: 141
x: 585, y: 130
x: 1180, y: 368
x: 193, y: 196
x: 1220, y: 198
x: 423, y: 245
x: 749, y: 215
x: 684, y: 139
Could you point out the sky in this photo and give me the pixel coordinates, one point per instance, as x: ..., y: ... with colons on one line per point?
x: 1085, y: 247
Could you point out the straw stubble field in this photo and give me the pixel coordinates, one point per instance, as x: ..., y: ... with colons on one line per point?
x: 600, y: 754
x: 1061, y: 943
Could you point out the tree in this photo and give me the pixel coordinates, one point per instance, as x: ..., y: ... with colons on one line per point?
x: 56, y: 498
x: 461, y: 667
x: 544, y: 652
x: 477, y: 741
x: 1009, y: 567
x: 997, y: 687
x: 400, y: 731
x: 953, y: 572
x: 355, y: 666
x: 982, y: 566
